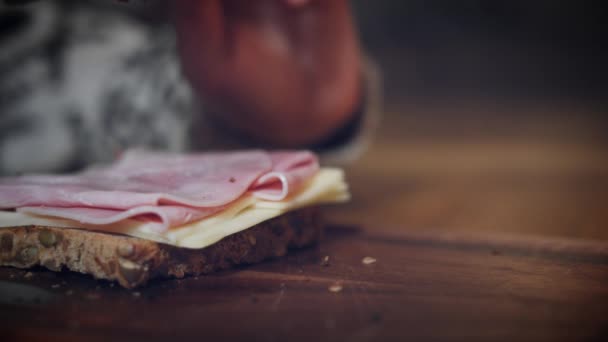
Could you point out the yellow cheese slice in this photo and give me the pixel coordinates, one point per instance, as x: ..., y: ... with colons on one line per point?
x: 327, y: 186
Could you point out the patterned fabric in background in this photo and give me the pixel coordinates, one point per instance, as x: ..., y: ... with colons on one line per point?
x: 80, y: 84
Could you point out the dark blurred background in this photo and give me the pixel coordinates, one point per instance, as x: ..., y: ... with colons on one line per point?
x: 500, y: 50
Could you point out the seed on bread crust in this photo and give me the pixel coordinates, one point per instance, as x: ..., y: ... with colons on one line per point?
x: 28, y: 255
x: 126, y: 250
x: 48, y: 238
x: 130, y: 272
x: 6, y: 243
x: 51, y: 264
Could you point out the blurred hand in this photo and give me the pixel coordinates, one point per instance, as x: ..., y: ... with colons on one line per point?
x: 284, y: 72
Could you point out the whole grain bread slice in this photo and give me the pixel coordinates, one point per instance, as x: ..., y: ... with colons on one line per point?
x: 133, y: 261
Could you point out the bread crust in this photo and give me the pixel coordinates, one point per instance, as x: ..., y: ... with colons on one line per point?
x: 132, y: 261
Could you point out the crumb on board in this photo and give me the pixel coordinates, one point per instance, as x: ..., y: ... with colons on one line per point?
x: 136, y: 294
x: 92, y: 296
x: 368, y: 260
x: 325, y: 261
x: 28, y: 275
x: 337, y: 287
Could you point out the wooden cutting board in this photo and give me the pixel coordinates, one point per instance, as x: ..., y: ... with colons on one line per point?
x: 421, y: 286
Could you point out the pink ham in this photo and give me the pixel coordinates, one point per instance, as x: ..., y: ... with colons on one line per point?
x: 170, y: 189
x: 289, y: 171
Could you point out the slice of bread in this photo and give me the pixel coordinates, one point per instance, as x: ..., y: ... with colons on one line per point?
x: 133, y: 261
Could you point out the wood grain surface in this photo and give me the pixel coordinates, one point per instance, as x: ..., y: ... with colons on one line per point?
x: 421, y: 286
x: 483, y: 228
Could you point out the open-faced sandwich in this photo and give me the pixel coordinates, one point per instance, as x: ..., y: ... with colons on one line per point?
x: 153, y: 214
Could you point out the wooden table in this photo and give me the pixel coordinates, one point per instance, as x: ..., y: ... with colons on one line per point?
x: 481, y: 230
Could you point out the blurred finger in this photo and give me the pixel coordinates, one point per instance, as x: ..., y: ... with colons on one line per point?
x: 200, y: 25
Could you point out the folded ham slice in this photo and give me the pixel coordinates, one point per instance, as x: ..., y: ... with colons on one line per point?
x: 168, y: 189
